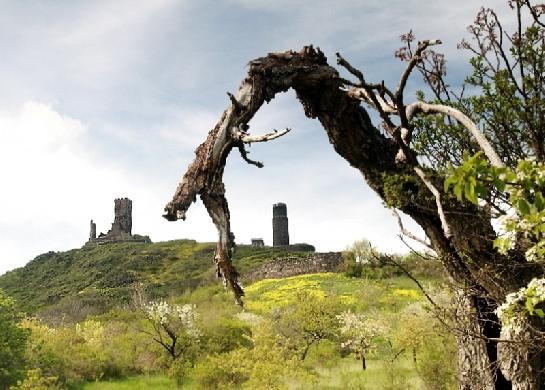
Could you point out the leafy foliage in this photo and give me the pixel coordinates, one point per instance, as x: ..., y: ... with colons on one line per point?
x: 309, y: 320
x: 36, y: 381
x: 523, y: 186
x: 13, y: 340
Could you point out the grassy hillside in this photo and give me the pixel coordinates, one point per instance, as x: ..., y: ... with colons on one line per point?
x: 96, y: 278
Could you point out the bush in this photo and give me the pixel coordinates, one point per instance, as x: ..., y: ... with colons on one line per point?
x: 269, y: 364
x: 225, y: 335
x: 221, y: 371
x: 435, y: 365
x: 89, y: 351
x: 13, y: 339
x: 36, y: 381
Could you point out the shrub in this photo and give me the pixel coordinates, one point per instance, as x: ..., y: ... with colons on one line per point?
x: 36, y: 381
x: 13, y: 339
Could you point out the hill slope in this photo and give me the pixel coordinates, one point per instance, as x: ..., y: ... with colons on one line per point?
x: 102, y: 276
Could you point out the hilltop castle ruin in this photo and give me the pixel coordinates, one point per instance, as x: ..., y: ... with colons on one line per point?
x: 121, y: 230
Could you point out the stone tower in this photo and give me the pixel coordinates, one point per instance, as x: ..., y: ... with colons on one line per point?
x: 123, y: 216
x: 93, y: 232
x: 280, y: 225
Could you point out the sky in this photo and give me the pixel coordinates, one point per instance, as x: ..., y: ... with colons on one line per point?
x: 108, y: 99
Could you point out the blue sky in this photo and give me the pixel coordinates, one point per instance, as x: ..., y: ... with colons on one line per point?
x: 106, y: 99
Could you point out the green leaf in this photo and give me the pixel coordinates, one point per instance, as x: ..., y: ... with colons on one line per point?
x: 458, y: 191
x: 499, y: 184
x: 523, y: 206
x: 539, y: 201
x: 470, y: 192
x: 529, y: 306
x: 540, y: 313
x: 450, y: 181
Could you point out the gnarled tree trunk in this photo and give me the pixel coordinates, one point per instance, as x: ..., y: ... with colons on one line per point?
x: 484, y: 276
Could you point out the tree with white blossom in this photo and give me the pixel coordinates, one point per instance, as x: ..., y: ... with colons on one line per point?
x: 359, y: 333
x: 174, y: 327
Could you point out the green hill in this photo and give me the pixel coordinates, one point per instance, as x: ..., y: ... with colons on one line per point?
x: 93, y: 279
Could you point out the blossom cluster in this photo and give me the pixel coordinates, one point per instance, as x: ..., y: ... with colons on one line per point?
x: 519, y: 304
x: 91, y: 331
x: 358, y: 331
x: 523, y: 186
x: 183, y: 316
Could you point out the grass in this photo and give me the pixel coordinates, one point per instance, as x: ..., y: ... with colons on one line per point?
x: 102, y: 276
x: 389, y: 294
x: 345, y: 373
x: 158, y: 382
x: 348, y: 374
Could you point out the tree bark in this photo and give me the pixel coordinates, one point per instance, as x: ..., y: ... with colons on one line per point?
x: 466, y: 252
x: 522, y: 362
x: 363, y: 363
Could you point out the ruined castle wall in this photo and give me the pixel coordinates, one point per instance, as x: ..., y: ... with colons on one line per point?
x: 291, y: 266
x: 123, y: 216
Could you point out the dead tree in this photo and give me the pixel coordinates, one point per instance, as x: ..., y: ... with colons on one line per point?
x: 460, y: 233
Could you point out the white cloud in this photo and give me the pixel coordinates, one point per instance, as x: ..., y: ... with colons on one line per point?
x: 188, y: 127
x: 54, y: 183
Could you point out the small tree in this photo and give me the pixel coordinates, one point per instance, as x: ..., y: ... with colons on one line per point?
x: 359, y: 333
x: 12, y: 343
x: 174, y: 326
x: 357, y: 255
x: 309, y: 320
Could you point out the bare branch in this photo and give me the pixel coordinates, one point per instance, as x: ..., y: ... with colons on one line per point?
x: 370, y: 94
x: 408, y: 233
x: 344, y: 63
x: 499, y: 44
x: 363, y: 95
x: 390, y: 259
x: 437, y: 194
x: 534, y: 13
x: 412, y: 63
x: 248, y: 139
x: 244, y: 155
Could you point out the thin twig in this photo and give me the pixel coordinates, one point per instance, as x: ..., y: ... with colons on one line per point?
x: 436, y: 193
x: 408, y: 233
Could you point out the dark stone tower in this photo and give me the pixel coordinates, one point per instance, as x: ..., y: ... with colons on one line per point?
x: 123, y: 216
x: 93, y: 232
x: 280, y: 225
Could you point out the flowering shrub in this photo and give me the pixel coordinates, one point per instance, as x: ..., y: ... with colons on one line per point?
x: 522, y: 189
x: 522, y: 302
x: 175, y: 318
x: 359, y: 332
